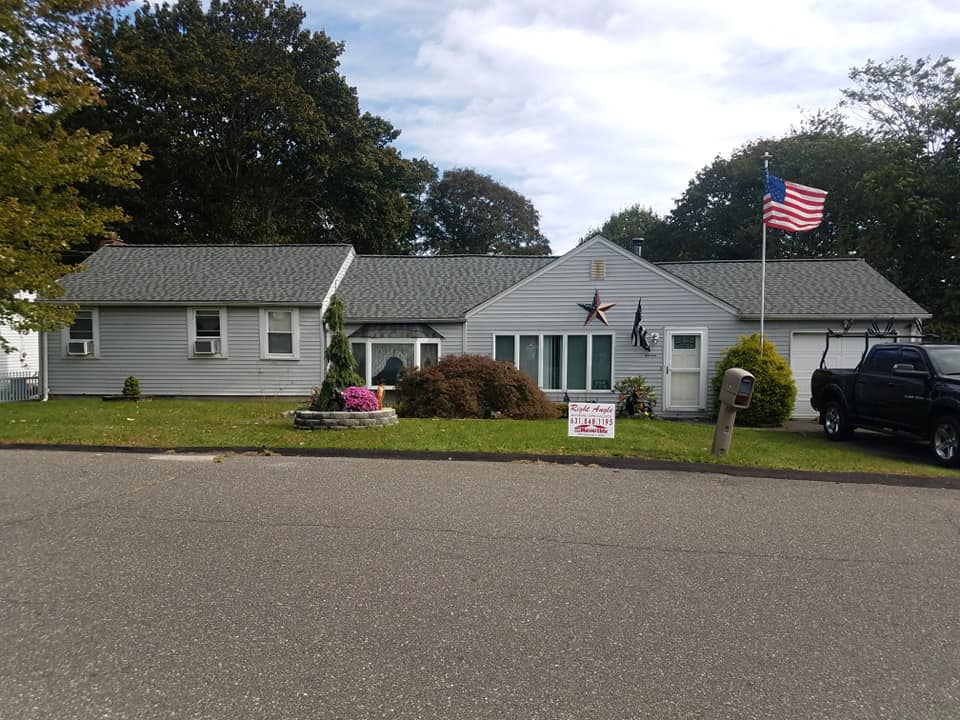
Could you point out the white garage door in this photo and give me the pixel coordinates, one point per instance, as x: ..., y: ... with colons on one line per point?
x: 806, y: 349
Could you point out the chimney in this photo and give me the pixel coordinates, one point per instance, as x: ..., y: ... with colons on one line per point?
x: 111, y: 239
x: 638, y: 246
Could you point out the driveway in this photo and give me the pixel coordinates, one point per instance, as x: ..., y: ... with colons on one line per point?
x: 897, y: 446
x: 136, y: 586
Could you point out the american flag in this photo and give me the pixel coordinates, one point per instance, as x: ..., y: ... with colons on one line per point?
x: 792, y: 206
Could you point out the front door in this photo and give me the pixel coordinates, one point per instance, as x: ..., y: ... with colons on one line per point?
x: 684, y: 380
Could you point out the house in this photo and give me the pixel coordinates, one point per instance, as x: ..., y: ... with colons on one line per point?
x: 26, y: 356
x: 247, y: 320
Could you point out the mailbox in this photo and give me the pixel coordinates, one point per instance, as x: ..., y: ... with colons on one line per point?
x: 737, y: 388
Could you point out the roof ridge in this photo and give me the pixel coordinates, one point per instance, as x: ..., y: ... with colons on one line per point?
x: 757, y: 260
x: 461, y: 255
x: 226, y: 245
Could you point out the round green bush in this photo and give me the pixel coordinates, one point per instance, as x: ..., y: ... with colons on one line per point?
x: 131, y: 388
x: 774, y: 393
x: 472, y: 386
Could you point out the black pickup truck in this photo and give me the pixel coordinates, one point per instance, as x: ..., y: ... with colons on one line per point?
x: 905, y: 387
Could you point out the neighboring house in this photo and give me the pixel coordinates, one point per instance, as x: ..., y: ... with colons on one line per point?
x: 246, y: 320
x: 26, y: 357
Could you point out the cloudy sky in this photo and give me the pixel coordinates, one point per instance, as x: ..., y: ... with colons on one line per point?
x: 589, y: 106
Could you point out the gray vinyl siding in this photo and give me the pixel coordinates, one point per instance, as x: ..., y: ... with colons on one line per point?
x: 548, y: 305
x: 151, y: 344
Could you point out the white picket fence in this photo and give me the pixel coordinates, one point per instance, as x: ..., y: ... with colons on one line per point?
x: 17, y: 386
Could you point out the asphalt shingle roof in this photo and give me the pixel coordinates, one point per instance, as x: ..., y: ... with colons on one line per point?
x: 207, y: 273
x: 401, y: 288
x: 800, y: 287
x: 390, y: 287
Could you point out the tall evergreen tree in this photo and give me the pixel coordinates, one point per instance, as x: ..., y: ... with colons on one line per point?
x: 340, y: 361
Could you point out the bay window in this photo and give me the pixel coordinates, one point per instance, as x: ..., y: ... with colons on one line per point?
x: 380, y: 360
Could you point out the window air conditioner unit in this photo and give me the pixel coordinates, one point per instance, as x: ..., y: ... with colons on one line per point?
x: 80, y: 347
x: 207, y: 346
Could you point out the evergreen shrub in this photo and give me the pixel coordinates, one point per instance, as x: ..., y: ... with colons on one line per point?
x: 472, y: 386
x: 774, y: 393
x: 340, y: 373
x: 131, y: 388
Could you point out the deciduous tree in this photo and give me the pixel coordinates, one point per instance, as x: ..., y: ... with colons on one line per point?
x: 911, y: 229
x: 623, y: 227
x: 718, y: 217
x: 257, y: 137
x: 43, y: 165
x: 467, y: 212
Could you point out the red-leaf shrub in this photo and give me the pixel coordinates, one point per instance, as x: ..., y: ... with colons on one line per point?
x: 472, y: 386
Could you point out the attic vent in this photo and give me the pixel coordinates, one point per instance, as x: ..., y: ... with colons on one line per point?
x: 598, y: 270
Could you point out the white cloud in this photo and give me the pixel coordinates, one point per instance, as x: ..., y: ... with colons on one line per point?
x: 589, y: 106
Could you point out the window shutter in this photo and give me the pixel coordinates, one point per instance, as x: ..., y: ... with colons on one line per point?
x: 598, y: 270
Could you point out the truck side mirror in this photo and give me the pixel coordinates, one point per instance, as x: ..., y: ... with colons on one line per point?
x: 909, y: 370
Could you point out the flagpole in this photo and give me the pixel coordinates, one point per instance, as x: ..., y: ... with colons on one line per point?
x: 763, y: 256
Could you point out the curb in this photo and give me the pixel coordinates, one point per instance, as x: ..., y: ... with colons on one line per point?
x: 616, y: 463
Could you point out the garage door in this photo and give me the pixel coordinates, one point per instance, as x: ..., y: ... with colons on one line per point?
x: 806, y: 349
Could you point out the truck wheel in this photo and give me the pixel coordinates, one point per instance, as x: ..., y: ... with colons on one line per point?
x: 945, y: 441
x: 836, y: 424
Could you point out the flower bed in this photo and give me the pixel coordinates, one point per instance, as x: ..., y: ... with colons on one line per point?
x: 343, y: 419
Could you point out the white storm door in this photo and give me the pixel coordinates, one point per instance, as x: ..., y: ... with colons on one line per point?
x: 685, y: 380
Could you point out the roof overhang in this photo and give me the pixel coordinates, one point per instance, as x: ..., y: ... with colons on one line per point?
x: 395, y: 330
x: 186, y: 303
x: 837, y: 316
x: 381, y: 320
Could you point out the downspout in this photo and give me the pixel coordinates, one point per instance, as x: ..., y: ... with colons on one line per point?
x: 44, y: 382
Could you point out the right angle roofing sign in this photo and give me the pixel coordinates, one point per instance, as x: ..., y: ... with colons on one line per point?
x: 591, y: 420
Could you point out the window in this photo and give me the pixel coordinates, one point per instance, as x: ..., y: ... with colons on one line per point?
x: 601, y: 366
x: 530, y: 355
x: 207, y: 332
x: 946, y: 359
x: 598, y: 270
x: 881, y: 360
x: 551, y: 375
x: 912, y: 357
x: 279, y: 334
x: 576, y: 362
x: 82, y: 328
x: 359, y: 350
x: 82, y: 338
x: 379, y: 360
x: 504, y: 348
x: 560, y: 362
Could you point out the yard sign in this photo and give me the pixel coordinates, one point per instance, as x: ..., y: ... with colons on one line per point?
x: 591, y: 419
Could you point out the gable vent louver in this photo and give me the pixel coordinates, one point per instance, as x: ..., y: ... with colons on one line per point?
x: 598, y: 270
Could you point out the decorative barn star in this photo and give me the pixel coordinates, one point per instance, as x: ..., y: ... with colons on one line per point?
x: 597, y: 309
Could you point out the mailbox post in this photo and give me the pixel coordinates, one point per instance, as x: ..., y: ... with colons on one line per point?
x: 736, y: 391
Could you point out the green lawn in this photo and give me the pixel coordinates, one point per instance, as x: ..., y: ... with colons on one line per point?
x: 261, y: 423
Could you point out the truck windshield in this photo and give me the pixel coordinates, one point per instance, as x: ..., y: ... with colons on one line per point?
x: 946, y: 359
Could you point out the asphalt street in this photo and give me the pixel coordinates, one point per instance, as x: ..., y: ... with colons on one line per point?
x: 138, y: 586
